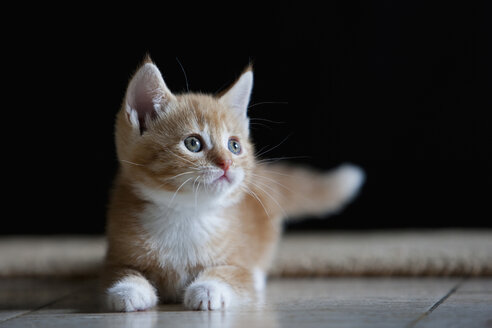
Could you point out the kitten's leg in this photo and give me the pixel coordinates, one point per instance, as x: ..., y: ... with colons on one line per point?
x: 130, y: 291
x: 219, y: 288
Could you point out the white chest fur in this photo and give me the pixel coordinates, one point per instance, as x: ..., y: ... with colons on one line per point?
x: 183, y: 236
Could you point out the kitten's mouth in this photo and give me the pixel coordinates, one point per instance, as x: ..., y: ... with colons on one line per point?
x: 224, y: 177
x: 220, y: 179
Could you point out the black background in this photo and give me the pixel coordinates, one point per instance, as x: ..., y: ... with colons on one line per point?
x: 401, y: 89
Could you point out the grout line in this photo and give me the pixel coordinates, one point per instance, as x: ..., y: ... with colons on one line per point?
x: 37, y: 308
x: 32, y: 310
x: 13, y: 316
x: 42, y: 306
x: 436, y: 305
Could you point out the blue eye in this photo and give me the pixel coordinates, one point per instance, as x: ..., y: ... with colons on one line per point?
x: 234, y: 146
x: 193, y: 144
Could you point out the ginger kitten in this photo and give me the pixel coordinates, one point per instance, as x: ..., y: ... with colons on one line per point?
x: 192, y: 217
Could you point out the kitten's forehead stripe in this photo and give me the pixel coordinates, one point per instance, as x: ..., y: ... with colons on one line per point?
x: 207, y: 137
x: 209, y: 118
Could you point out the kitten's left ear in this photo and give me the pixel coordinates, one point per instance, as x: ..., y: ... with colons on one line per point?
x: 237, y: 96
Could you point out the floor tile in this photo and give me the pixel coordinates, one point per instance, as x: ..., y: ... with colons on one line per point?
x: 23, y: 295
x: 337, y: 302
x: 470, y: 306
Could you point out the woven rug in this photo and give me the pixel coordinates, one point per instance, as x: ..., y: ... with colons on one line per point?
x: 380, y: 253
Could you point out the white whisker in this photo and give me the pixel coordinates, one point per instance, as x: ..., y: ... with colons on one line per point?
x: 269, y: 102
x: 128, y: 162
x: 276, y: 159
x: 166, y: 180
x: 252, y: 193
x: 274, y: 181
x: 297, y: 194
x: 265, y: 120
x: 260, y: 124
x: 184, y: 73
x: 176, y: 192
x: 269, y: 195
x: 178, y: 175
x: 278, y: 145
x: 184, y: 159
x: 196, y: 194
x: 275, y: 172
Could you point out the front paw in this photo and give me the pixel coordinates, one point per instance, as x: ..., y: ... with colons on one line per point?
x: 131, y: 294
x: 208, y: 295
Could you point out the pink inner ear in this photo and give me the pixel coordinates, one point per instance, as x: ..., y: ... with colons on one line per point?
x: 145, y: 93
x: 143, y: 103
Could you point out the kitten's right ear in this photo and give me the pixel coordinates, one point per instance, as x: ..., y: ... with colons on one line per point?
x: 237, y: 96
x: 146, y: 95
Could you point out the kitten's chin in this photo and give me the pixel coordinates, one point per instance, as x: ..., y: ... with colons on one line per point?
x: 224, y: 184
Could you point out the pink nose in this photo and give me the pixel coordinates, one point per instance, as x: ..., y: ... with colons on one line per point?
x: 224, y: 164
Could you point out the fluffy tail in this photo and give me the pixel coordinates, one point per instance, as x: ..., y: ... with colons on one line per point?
x: 291, y: 191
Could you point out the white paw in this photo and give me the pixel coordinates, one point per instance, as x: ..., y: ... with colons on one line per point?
x: 131, y: 294
x: 208, y: 295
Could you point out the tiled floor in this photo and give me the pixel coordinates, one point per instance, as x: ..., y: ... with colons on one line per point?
x: 334, y: 302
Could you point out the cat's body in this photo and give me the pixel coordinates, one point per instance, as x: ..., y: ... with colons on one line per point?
x: 192, y: 216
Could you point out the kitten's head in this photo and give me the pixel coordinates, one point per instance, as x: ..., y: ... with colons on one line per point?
x: 185, y: 148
